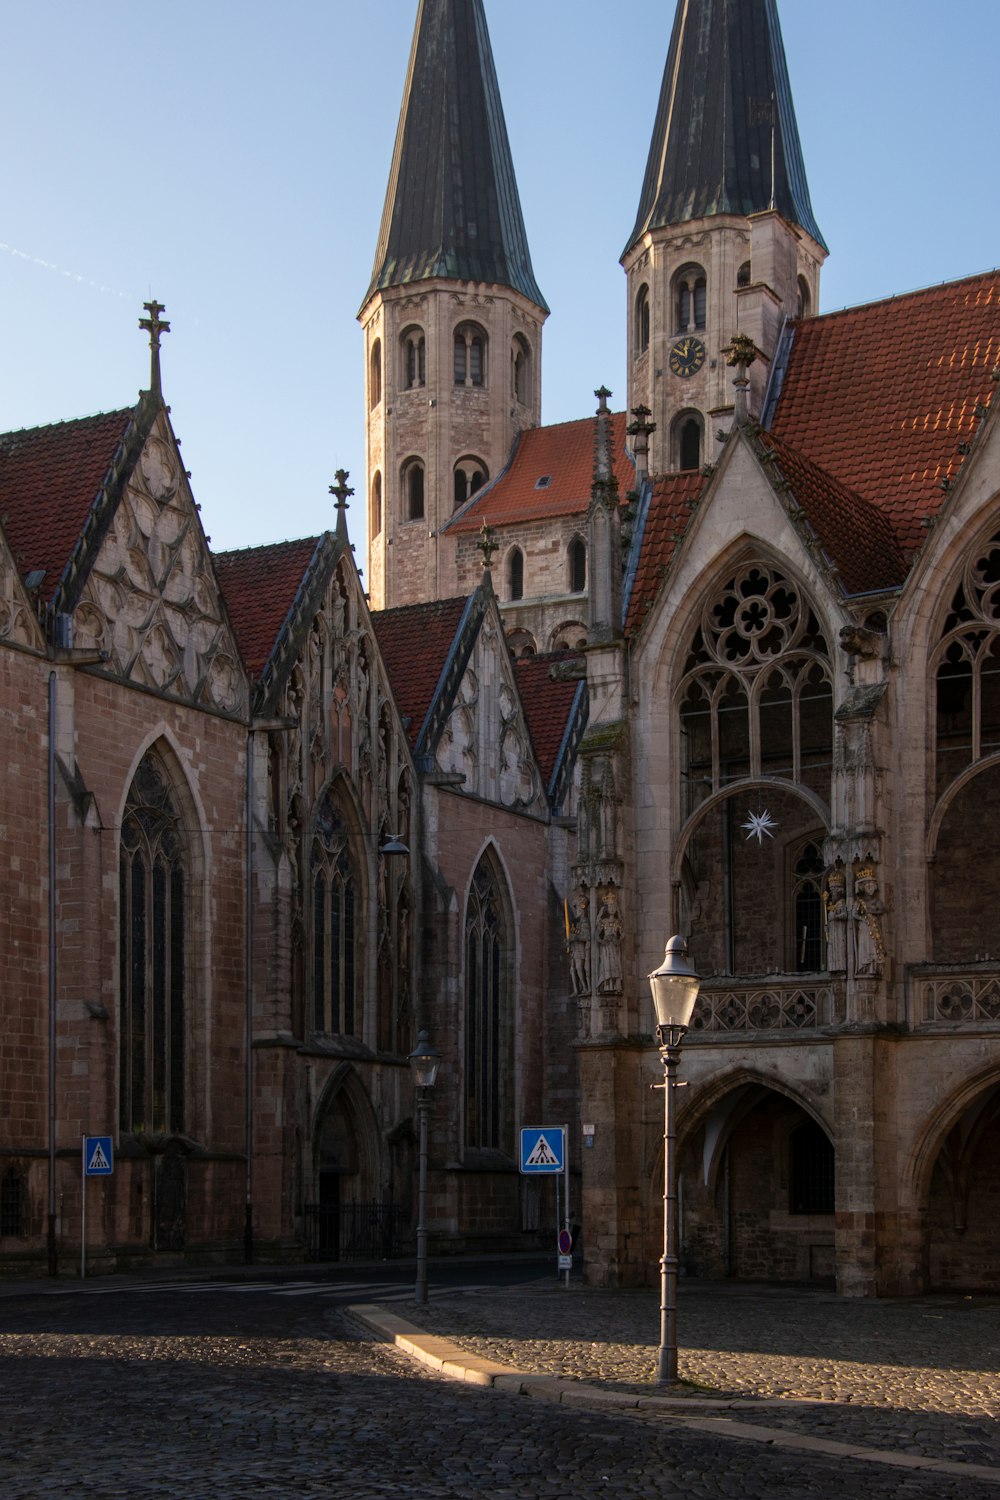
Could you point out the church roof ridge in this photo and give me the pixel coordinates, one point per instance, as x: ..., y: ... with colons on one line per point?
x: 452, y: 208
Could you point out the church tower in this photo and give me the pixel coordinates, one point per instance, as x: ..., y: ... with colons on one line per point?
x: 725, y: 240
x: 453, y: 316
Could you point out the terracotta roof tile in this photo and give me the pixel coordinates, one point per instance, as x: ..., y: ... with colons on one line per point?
x: 49, y: 480
x: 562, y: 454
x: 880, y: 396
x: 414, y: 642
x: 856, y: 536
x: 259, y: 586
x: 666, y: 519
x: 547, y: 704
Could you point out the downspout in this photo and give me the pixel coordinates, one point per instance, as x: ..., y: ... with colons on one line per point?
x: 53, y: 1265
x: 248, y: 1206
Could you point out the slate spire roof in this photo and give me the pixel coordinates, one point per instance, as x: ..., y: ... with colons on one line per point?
x: 452, y: 207
x: 711, y: 147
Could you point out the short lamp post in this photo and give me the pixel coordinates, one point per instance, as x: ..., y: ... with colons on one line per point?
x: 675, y: 989
x: 424, y: 1063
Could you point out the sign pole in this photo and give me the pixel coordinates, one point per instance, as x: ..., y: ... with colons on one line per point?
x: 566, y: 1224
x: 83, y: 1206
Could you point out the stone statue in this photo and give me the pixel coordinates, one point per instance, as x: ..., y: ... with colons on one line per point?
x: 835, y: 914
x: 609, y: 944
x: 578, y: 945
x: 866, y: 911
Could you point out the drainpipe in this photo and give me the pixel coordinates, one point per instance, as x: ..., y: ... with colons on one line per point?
x: 53, y: 1265
x: 248, y: 1207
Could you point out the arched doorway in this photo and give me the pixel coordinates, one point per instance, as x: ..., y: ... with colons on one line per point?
x: 962, y: 1200
x: 347, y: 1169
x: 757, y: 1185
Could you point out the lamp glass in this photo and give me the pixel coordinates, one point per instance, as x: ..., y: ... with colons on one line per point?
x: 424, y: 1062
x: 674, y: 986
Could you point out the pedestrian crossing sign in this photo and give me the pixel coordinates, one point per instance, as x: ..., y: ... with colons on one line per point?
x: 543, y: 1149
x: 98, y: 1156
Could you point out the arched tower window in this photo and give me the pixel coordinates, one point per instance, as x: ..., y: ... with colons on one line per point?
x: 577, y: 560
x: 521, y: 644
x: 743, y: 275
x: 690, y: 299
x: 804, y: 308
x: 153, y: 883
x: 413, y: 349
x: 520, y: 358
x: 470, y: 475
x: 377, y: 504
x: 335, y: 925
x: 470, y: 354
x: 375, y: 375
x: 413, y: 490
x: 686, y: 440
x: 642, y: 320
x: 515, y: 574
x: 489, y: 1014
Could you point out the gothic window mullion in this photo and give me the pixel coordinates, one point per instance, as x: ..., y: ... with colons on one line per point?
x: 977, y: 705
x: 753, y: 700
x: 716, y: 764
x: 797, y: 729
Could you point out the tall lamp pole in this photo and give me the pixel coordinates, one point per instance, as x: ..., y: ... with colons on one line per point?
x: 675, y: 989
x: 424, y: 1063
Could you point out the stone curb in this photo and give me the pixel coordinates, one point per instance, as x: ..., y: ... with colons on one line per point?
x: 694, y: 1412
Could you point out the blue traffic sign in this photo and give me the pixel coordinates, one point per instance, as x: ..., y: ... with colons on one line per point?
x: 98, y: 1156
x: 543, y: 1149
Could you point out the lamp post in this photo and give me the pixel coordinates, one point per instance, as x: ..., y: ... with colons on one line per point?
x: 675, y: 989
x: 424, y: 1063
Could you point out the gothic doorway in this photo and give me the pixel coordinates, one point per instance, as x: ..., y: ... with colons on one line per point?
x: 961, y: 1207
x: 346, y: 1168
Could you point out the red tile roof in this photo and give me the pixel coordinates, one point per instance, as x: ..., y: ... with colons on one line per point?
x: 856, y: 536
x: 565, y: 455
x: 547, y: 704
x: 666, y: 520
x: 49, y: 480
x: 414, y: 642
x: 880, y: 396
x: 259, y: 585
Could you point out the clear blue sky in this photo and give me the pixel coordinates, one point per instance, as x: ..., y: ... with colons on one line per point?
x: 230, y: 157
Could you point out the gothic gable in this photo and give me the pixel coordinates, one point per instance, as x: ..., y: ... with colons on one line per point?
x: 18, y: 622
x: 149, y: 596
x: 485, y: 738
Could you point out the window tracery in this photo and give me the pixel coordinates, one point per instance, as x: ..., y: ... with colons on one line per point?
x: 335, y: 925
x: 967, y: 668
x: 488, y: 1014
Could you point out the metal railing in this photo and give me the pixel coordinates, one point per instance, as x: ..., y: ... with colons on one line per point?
x: 352, y: 1231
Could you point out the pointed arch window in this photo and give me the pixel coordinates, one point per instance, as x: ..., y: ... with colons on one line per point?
x: 577, y: 559
x: 967, y: 664
x: 470, y: 354
x: 806, y: 906
x: 515, y: 574
x: 335, y: 925
x: 152, y: 898
x: 489, y: 1030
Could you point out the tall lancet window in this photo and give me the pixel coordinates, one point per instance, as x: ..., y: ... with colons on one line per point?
x: 489, y: 1021
x: 152, y: 895
x: 335, y: 926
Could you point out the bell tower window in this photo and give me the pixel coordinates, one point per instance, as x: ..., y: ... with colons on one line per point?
x: 642, y: 320
x: 470, y: 354
x: 377, y: 505
x: 413, y: 490
x: 690, y: 299
x: 414, y: 351
x: 521, y: 370
x: 375, y: 375
x: 686, y: 444
x: 470, y: 475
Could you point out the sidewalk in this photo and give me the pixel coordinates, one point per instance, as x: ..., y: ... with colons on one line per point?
x: 909, y: 1384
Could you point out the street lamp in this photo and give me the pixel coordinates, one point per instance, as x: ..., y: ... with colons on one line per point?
x: 675, y: 989
x: 424, y: 1063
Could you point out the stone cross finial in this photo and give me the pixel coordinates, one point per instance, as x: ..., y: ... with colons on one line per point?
x: 487, y: 545
x: 342, y: 492
x: 154, y: 325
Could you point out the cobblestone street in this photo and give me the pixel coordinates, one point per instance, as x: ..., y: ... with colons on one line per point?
x: 173, y: 1393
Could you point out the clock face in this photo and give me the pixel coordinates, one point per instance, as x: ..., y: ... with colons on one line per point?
x: 687, y: 356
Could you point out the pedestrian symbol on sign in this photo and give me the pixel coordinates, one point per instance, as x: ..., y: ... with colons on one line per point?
x: 98, y: 1156
x: 543, y: 1156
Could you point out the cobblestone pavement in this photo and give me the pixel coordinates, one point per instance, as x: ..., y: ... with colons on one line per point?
x: 917, y: 1377
x: 138, y: 1397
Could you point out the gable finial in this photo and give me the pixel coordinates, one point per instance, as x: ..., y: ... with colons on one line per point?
x: 603, y: 395
x: 342, y: 492
x: 640, y: 432
x: 487, y: 545
x: 154, y: 325
x: 740, y: 353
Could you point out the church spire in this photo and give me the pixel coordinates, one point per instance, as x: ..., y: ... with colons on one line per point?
x: 452, y: 209
x: 725, y: 139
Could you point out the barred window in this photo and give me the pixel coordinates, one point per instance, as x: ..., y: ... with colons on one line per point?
x: 488, y: 1015
x: 152, y: 896
x: 334, y: 918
